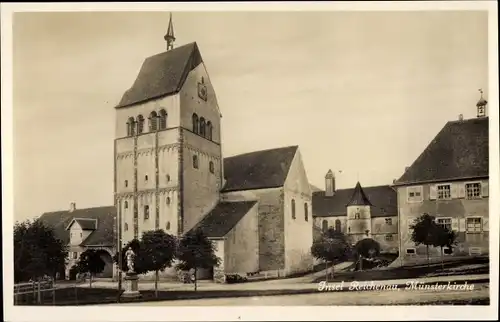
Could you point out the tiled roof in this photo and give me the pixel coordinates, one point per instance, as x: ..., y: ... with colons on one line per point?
x: 382, y: 198
x: 162, y: 74
x: 258, y: 170
x: 358, y: 197
x: 220, y: 221
x: 104, y: 235
x: 85, y: 223
x: 459, y: 150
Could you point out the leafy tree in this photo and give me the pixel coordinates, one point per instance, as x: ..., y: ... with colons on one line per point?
x: 424, y: 232
x: 443, y: 237
x: 158, y: 252
x: 195, y: 251
x: 90, y: 261
x: 332, y: 247
x: 37, y: 252
x: 137, y: 248
x: 367, y: 248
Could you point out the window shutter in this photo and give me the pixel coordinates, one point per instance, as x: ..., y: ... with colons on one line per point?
x: 461, y: 225
x: 485, y: 224
x: 485, y: 189
x: 461, y: 190
x: 433, y: 192
x: 454, y: 190
x: 454, y: 224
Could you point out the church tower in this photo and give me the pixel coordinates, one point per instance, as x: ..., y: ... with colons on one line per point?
x: 168, y: 170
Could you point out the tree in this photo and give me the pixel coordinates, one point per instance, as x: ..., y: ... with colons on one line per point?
x: 158, y: 251
x: 443, y: 237
x: 367, y: 248
x: 136, y: 246
x: 195, y: 251
x: 331, y: 247
x: 90, y: 261
x: 424, y: 232
x: 37, y: 252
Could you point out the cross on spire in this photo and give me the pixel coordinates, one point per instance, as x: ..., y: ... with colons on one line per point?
x: 169, y: 37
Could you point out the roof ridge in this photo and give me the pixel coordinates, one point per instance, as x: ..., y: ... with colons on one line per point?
x: 78, y: 209
x: 364, y: 188
x: 259, y: 151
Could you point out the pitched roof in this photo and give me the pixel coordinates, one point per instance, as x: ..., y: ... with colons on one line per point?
x: 383, y: 201
x: 225, y: 215
x: 358, y: 197
x: 85, y: 223
x: 459, y: 150
x: 162, y: 74
x: 258, y: 170
x: 103, y: 235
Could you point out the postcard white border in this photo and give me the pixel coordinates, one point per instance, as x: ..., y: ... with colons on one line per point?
x: 110, y: 313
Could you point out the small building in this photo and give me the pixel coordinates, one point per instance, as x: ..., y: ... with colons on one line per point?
x: 449, y: 180
x: 82, y: 229
x: 233, y: 228
x: 358, y: 213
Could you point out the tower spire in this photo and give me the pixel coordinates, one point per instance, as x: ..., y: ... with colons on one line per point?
x: 169, y: 37
x: 481, y: 105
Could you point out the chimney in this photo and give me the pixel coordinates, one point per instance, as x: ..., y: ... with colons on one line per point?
x: 393, y: 181
x: 406, y: 168
x: 329, y: 184
x: 460, y: 117
x: 72, y: 207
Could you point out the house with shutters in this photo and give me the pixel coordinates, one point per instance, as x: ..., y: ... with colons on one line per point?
x: 82, y: 229
x: 359, y: 213
x: 449, y: 180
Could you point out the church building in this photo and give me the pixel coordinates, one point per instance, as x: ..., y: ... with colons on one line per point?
x: 170, y: 173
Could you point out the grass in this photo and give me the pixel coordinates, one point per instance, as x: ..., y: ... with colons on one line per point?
x: 406, y: 272
x: 93, y: 296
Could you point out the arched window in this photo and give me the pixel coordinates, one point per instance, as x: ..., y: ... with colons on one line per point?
x: 195, y: 123
x: 168, y: 178
x: 211, y: 167
x: 168, y: 200
x: 324, y: 226
x: 195, y: 161
x: 130, y: 126
x: 293, y: 208
x: 202, y: 127
x: 146, y: 212
x: 126, y: 183
x: 140, y: 124
x: 125, y: 227
x: 168, y: 225
x: 153, y: 121
x: 163, y: 119
x: 338, y: 225
x: 126, y: 205
x: 209, y: 130
x: 306, y: 212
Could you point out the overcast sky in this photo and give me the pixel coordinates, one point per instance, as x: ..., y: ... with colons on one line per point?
x: 359, y: 92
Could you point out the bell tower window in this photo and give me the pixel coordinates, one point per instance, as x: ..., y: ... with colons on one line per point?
x: 153, y: 121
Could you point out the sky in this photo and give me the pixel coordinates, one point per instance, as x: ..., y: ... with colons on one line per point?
x: 359, y: 92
